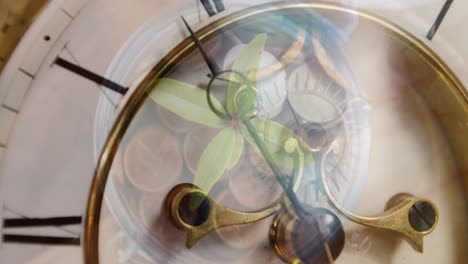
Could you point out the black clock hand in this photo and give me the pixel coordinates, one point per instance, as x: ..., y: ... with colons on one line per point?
x: 214, y: 68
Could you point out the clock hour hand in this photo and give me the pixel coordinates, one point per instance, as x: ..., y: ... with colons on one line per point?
x: 214, y: 68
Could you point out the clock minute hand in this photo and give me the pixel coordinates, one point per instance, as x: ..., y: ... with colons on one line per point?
x: 214, y: 68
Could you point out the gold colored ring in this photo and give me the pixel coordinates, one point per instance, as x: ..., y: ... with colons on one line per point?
x: 455, y: 92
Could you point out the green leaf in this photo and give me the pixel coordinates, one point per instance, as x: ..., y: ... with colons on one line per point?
x: 237, y: 152
x: 220, y: 154
x: 247, y: 63
x: 276, y: 136
x: 187, y: 101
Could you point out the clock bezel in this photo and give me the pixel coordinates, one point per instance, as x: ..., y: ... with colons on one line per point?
x: 455, y: 92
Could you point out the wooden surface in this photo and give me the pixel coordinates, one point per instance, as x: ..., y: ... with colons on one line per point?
x: 15, y: 18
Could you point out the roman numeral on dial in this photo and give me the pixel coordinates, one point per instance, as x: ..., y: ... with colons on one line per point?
x: 41, y: 222
x: 42, y: 240
x: 35, y: 222
x: 218, y: 5
x: 91, y: 76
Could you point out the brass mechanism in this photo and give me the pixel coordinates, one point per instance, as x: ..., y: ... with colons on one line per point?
x: 316, y: 236
x: 405, y: 214
x: 193, y: 210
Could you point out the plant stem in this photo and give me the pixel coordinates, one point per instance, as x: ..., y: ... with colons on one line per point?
x: 278, y: 174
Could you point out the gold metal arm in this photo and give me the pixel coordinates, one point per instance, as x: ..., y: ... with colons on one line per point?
x: 407, y: 215
x: 210, y: 215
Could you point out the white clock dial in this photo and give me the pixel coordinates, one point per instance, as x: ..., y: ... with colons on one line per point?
x: 90, y: 152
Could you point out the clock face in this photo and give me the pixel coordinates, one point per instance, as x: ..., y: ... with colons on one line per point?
x: 216, y: 132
